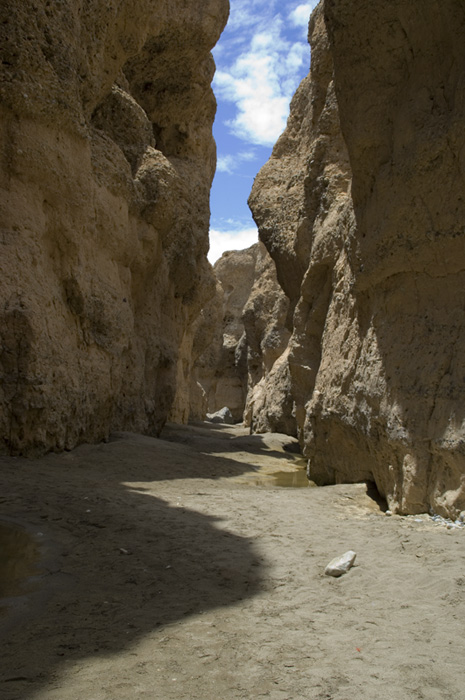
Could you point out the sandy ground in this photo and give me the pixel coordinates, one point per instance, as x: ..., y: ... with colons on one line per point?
x: 172, y: 570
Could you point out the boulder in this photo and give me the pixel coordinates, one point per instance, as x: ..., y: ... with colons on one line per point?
x: 224, y: 415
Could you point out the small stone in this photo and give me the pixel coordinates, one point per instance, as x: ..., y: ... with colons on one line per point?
x: 341, y: 565
x: 388, y: 512
x: 462, y: 516
x: 224, y: 415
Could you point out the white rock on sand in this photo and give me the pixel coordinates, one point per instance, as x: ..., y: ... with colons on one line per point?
x: 224, y: 415
x: 340, y: 565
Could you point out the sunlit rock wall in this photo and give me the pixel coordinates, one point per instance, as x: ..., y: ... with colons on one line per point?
x: 361, y: 206
x: 221, y: 369
x: 269, y: 405
x: 243, y: 339
x: 106, y: 162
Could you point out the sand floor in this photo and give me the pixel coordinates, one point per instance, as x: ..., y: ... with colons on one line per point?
x: 174, y: 569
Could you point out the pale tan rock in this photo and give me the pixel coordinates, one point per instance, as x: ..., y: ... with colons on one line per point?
x: 222, y: 368
x: 191, y: 402
x: 361, y: 208
x: 245, y: 366
x: 269, y: 405
x: 300, y: 195
x: 341, y: 565
x: 106, y: 162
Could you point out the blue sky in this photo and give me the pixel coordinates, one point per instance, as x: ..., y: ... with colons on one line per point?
x: 261, y: 58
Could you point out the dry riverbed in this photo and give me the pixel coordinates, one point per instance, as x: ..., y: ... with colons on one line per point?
x: 177, y: 569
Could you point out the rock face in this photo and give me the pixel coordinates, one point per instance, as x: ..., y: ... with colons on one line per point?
x: 106, y: 163
x: 361, y: 206
x: 244, y: 365
x: 198, y: 355
x: 269, y: 405
x: 222, y: 368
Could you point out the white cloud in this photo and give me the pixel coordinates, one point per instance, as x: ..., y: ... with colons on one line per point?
x: 226, y: 164
x: 229, y: 163
x: 221, y: 241
x: 243, y: 15
x: 247, y: 155
x: 301, y: 14
x: 261, y: 79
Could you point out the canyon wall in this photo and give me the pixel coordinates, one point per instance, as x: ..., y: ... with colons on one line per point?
x: 221, y: 369
x: 265, y: 316
x: 106, y: 163
x: 361, y: 206
x: 242, y: 333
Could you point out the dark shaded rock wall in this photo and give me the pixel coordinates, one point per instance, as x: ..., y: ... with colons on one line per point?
x: 106, y: 161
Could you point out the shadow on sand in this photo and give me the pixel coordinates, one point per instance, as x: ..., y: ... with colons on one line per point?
x: 210, y: 438
x: 120, y: 562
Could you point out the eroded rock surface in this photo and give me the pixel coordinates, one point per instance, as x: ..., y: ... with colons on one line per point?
x: 269, y: 404
x: 222, y: 368
x: 244, y: 365
x: 361, y: 206
x: 105, y: 167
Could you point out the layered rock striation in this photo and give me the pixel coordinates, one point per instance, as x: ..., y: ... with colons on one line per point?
x: 106, y: 163
x: 361, y: 207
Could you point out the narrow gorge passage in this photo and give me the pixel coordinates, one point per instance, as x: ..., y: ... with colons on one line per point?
x: 168, y: 576
x: 167, y: 561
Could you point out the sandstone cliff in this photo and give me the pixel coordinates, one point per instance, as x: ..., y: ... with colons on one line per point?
x: 243, y: 335
x: 106, y: 163
x: 361, y: 206
x: 222, y: 368
x: 269, y: 404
